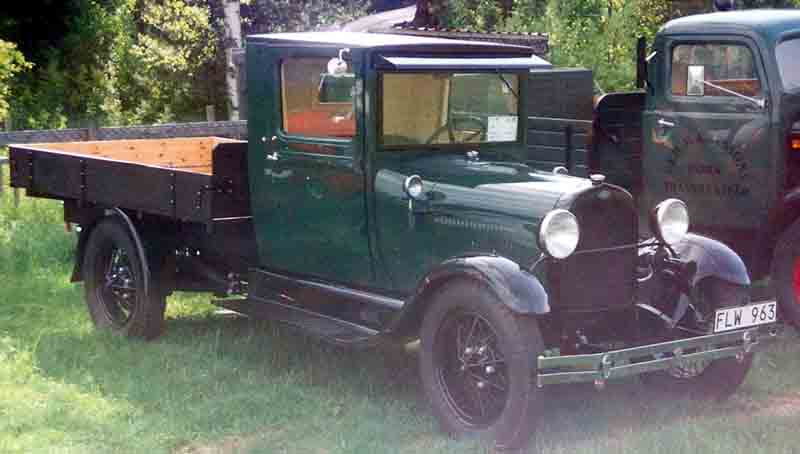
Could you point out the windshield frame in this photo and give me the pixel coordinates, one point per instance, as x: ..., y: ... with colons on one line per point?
x: 519, y: 95
x: 709, y: 100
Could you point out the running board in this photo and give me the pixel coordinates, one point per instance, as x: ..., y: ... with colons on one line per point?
x: 324, y: 327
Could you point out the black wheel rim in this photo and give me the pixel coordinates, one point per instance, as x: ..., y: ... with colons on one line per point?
x: 116, y: 284
x: 470, y: 369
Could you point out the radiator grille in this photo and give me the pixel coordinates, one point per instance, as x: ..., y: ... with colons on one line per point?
x: 595, y: 278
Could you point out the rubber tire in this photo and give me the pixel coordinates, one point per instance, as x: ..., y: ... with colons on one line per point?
x: 787, y: 250
x: 722, y: 377
x: 147, y: 319
x: 519, y: 339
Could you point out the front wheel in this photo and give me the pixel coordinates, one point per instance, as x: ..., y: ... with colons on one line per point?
x: 113, y: 278
x: 702, y: 378
x: 477, y: 362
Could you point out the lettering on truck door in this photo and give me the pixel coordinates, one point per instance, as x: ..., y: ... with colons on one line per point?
x: 706, y: 135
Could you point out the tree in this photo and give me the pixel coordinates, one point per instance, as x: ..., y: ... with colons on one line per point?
x: 11, y: 62
x: 137, y: 61
x: 163, y: 63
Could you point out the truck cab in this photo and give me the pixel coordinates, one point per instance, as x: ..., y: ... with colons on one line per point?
x: 333, y: 149
x: 718, y: 124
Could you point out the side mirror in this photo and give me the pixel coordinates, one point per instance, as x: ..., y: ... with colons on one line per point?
x: 337, y: 66
x: 695, y: 80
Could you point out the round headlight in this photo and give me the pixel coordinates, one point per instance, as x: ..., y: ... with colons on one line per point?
x: 559, y: 234
x: 670, y: 221
x: 413, y: 187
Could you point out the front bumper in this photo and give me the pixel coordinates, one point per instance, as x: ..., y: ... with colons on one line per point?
x: 599, y: 367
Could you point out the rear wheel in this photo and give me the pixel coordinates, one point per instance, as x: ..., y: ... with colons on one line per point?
x: 786, y: 274
x: 477, y: 362
x: 702, y: 378
x: 114, y: 276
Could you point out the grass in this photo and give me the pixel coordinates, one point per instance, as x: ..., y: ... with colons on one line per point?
x: 214, y: 383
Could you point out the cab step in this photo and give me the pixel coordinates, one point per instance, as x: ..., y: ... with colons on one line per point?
x: 324, y: 327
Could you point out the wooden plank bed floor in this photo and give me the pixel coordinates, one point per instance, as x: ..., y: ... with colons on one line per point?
x: 193, y: 154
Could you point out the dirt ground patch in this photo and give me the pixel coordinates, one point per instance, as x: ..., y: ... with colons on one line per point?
x: 780, y: 406
x: 233, y: 444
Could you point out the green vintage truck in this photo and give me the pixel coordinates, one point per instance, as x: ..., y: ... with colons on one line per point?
x: 381, y: 197
x: 718, y: 126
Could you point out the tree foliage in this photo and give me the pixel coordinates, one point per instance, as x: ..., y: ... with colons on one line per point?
x: 136, y: 61
x: 596, y: 34
x: 163, y: 63
x: 11, y: 62
x: 268, y: 16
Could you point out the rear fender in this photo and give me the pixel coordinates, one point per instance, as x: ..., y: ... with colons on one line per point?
x: 80, y: 249
x: 513, y: 286
x: 713, y: 259
x: 86, y: 231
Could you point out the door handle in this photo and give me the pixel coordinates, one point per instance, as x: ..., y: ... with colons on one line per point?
x: 273, y: 156
x: 665, y: 124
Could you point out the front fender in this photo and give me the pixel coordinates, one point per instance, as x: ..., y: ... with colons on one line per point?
x: 513, y: 286
x: 713, y: 259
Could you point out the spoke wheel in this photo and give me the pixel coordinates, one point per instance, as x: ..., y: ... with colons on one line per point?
x: 477, y: 362
x: 114, y: 276
x: 688, y: 369
x: 472, y: 369
x: 116, y: 286
x: 716, y: 379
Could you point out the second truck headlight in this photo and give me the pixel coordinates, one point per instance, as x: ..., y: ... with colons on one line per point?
x: 669, y: 221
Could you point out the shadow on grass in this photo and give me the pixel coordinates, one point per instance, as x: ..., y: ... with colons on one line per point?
x: 257, y: 374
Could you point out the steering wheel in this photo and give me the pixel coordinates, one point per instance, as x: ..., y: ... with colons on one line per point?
x: 450, y: 128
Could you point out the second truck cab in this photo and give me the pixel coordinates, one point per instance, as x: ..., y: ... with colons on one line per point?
x: 718, y: 125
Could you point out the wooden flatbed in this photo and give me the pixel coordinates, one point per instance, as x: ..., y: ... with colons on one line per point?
x: 187, y: 179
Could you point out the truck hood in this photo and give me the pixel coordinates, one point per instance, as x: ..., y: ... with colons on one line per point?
x: 455, y: 183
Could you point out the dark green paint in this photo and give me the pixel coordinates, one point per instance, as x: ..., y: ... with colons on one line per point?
x: 716, y: 157
x: 343, y: 216
x: 725, y: 157
x: 487, y: 206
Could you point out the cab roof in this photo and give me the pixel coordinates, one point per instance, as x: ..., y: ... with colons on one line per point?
x: 770, y: 23
x: 387, y: 42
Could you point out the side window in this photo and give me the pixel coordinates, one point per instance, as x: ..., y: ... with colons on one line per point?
x: 714, y: 70
x: 315, y: 103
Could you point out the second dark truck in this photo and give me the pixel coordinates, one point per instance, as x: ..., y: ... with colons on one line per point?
x: 718, y: 126
x: 382, y: 196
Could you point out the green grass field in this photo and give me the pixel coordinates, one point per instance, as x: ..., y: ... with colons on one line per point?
x: 219, y: 384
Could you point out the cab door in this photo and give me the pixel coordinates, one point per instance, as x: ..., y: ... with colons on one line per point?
x: 706, y: 134
x: 314, y: 184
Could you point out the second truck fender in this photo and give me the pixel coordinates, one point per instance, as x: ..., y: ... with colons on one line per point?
x: 513, y: 286
x: 713, y: 259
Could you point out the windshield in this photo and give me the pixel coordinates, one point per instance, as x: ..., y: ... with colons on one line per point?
x: 449, y: 108
x: 788, y: 55
x: 715, y: 70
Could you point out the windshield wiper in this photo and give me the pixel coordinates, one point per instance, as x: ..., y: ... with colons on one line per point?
x: 508, y: 85
x: 758, y: 102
